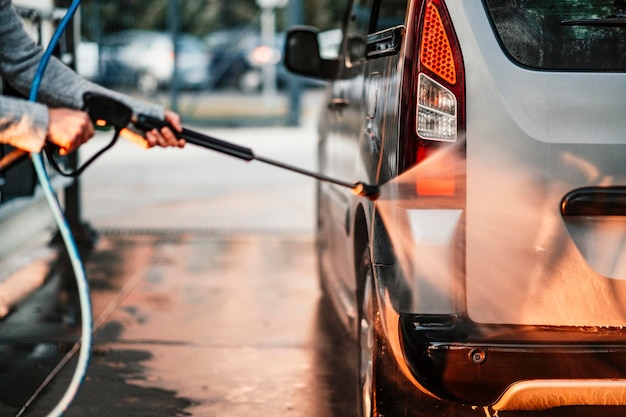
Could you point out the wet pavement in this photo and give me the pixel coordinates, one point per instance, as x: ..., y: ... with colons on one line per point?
x: 204, y: 292
x: 200, y: 325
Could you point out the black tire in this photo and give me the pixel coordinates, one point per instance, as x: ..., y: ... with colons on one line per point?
x: 365, y: 388
x: 382, y: 391
x: 371, y: 346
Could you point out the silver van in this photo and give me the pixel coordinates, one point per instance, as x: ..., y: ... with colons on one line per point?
x: 490, y: 275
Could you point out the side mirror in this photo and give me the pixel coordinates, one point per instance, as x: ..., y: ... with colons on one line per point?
x: 302, y: 54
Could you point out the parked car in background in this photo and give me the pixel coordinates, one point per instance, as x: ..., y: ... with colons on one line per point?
x: 489, y: 278
x: 144, y: 60
x: 231, y: 49
x: 239, y: 56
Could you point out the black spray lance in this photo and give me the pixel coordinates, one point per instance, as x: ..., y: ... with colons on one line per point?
x: 114, y: 113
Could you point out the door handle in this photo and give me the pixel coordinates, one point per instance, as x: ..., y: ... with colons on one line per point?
x: 595, y: 201
x: 337, y: 104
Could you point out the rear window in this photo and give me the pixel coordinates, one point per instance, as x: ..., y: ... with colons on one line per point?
x: 562, y: 35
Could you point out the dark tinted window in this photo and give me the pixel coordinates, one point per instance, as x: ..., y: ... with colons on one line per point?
x: 367, y: 17
x: 360, y: 18
x: 390, y: 14
x: 357, y: 30
x: 565, y: 34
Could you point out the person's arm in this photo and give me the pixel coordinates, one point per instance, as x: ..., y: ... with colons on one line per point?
x: 23, y: 124
x: 27, y: 125
x: 60, y: 86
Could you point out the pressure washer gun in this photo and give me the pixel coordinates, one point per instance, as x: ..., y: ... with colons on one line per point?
x: 105, y: 111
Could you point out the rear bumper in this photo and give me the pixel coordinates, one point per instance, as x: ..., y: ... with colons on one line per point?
x: 515, y: 367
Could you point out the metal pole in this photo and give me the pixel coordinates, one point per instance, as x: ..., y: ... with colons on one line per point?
x: 174, y: 23
x: 84, y: 235
x: 268, y: 34
x: 295, y: 16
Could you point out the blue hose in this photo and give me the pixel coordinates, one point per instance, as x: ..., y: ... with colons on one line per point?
x: 66, y: 234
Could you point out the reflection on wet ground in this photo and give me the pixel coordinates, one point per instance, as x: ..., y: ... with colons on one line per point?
x: 187, y: 324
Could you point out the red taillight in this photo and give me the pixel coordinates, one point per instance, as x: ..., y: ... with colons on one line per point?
x: 439, y: 75
x: 435, y: 89
x: 435, y: 50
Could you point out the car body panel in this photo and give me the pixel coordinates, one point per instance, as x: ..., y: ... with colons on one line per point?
x: 364, y: 120
x: 533, y: 264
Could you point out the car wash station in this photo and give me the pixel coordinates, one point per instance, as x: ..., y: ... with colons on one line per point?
x: 200, y: 266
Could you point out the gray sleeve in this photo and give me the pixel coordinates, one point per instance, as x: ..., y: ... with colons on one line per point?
x: 23, y: 124
x: 60, y: 86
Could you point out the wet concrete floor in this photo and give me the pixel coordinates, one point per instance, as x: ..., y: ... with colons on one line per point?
x: 201, y: 325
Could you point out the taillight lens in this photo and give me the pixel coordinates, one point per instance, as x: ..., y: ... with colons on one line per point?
x: 435, y: 88
x: 436, y: 110
x: 437, y: 105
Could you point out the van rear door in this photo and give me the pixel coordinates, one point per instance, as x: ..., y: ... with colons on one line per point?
x: 546, y: 120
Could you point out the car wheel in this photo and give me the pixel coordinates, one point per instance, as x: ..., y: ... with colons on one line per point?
x: 370, y: 344
x: 366, y: 345
x: 377, y: 395
x: 147, y: 83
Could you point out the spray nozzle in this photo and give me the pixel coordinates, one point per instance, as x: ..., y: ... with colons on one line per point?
x: 366, y: 190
